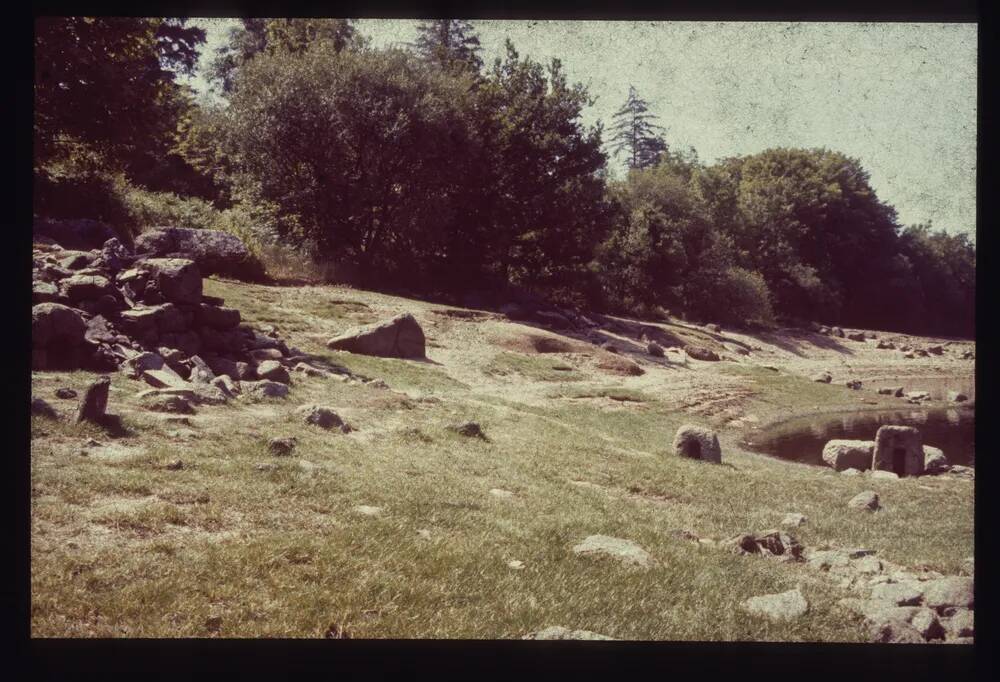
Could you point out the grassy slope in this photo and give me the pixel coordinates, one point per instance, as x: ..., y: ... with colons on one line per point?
x: 122, y: 546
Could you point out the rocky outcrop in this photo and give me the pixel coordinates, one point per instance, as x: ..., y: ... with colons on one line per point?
x: 400, y: 337
x: 215, y: 252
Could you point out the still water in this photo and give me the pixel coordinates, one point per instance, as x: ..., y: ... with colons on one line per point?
x: 802, y: 439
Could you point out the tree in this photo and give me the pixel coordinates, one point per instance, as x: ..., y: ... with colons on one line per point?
x: 449, y: 42
x: 634, y: 132
x: 255, y: 36
x: 108, y: 83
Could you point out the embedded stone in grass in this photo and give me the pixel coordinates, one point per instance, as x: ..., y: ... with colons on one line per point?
x: 281, y: 447
x: 626, y: 551
x: 367, y: 510
x: 65, y: 393
x: 424, y: 534
x: 167, y: 403
x: 885, y: 475
x: 822, y: 378
x: 174, y: 465
x: 701, y: 353
x: 272, y: 370
x: 850, y: 471
x: 696, y: 442
x: 559, y: 632
x: 515, y: 564
x: 784, y: 606
x: 501, y: 493
x: 95, y: 401
x: 868, y: 501
x: 323, y: 417
x: 264, y: 389
x: 655, y: 349
x: 794, y: 519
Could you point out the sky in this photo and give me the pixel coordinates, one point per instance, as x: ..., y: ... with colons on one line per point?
x: 899, y: 97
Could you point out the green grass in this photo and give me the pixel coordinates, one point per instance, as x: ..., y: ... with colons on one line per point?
x: 540, y: 367
x: 122, y: 546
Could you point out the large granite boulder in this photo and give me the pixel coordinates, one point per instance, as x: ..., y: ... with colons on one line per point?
x: 53, y: 324
x: 215, y: 252
x: 848, y: 454
x: 400, y: 337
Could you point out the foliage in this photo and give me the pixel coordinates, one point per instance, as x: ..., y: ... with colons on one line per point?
x: 449, y: 42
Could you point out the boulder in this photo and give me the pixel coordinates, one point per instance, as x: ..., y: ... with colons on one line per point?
x: 951, y: 591
x: 74, y: 234
x: 898, y: 594
x: 856, y: 336
x: 896, y: 391
x: 273, y: 371
x: 822, y: 377
x: 701, y: 353
x: 164, y: 377
x: 898, y: 449
x: 177, y: 279
x: 779, y: 607
x: 200, y: 372
x: 868, y: 501
x: 134, y: 366
x: 468, y: 429
x: 935, y: 460
x: 215, y: 252
x: 78, y: 288
x: 837, y: 331
x: 282, y: 447
x: 43, y: 292
x: 848, y: 454
x: 264, y: 389
x: 854, y: 384
x: 400, y: 337
x: 93, y: 406
x: 654, y: 349
x: 697, y: 442
x: 56, y: 326
x: 960, y: 624
x: 216, y: 317
x: 625, y: 551
x: 323, y: 417
x: 935, y: 350
x: 885, y: 345
x: 225, y: 384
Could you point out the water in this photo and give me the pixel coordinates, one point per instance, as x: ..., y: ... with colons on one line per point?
x: 802, y: 439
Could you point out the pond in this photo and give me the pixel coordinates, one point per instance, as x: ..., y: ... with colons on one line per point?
x: 802, y: 439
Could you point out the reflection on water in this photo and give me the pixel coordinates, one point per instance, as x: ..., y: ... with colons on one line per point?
x: 802, y: 439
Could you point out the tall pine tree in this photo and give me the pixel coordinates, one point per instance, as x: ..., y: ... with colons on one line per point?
x: 634, y: 132
x: 449, y: 42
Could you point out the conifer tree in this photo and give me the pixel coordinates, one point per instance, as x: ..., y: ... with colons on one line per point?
x: 634, y: 132
x: 449, y: 42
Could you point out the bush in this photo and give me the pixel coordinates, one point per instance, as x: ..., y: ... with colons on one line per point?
x: 735, y: 296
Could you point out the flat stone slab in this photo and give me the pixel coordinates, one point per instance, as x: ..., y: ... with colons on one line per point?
x: 949, y: 591
x: 559, y: 632
x: 501, y: 493
x: 783, y: 606
x: 626, y: 551
x: 898, y: 594
x: 367, y: 510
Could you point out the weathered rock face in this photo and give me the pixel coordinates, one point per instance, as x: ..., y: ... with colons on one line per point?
x: 177, y: 279
x: 848, y: 454
x: 216, y: 253
x: 400, y: 337
x: 697, y: 442
x: 898, y: 449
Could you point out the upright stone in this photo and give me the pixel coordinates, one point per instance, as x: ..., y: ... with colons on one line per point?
x: 697, y: 442
x: 898, y: 449
x: 400, y: 337
x: 95, y: 401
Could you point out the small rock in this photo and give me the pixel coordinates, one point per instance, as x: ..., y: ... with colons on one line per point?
x: 515, y: 564
x: 424, y: 534
x: 850, y: 472
x: 174, y: 465
x: 960, y: 624
x: 323, y: 417
x: 822, y: 377
x: 885, y: 475
x: 501, y: 493
x: 469, y: 430
x: 854, y: 384
x: 950, y: 591
x: 367, y: 510
x: 934, y: 460
x: 957, y: 397
x: 897, y: 594
x: 65, y: 393
x: 926, y: 622
x: 794, y: 519
x: 655, y: 349
x: 867, y: 500
x: 784, y: 606
x: 272, y: 370
x: 697, y: 442
x: 701, y: 353
x: 263, y: 389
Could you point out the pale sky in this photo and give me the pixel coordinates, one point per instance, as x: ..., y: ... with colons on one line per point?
x: 899, y: 97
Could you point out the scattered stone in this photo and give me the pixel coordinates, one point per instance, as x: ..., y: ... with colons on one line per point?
x: 400, y: 337
x: 712, y: 328
x: 885, y: 345
x: 935, y: 350
x: 323, y: 417
x: 281, y: 447
x: 308, y: 370
x: 898, y: 449
x: 424, y: 534
x: 853, y: 384
x: 896, y: 391
x: 65, y: 393
x: 822, y: 378
x: 94, y: 404
x: 784, y: 606
x: 848, y: 454
x: 174, y: 465
x: 701, y: 353
x: 794, y: 519
x: 917, y: 396
x: 960, y: 471
x: 515, y: 564
x: 367, y: 510
x: 164, y: 378
x: 226, y: 385
x: 625, y: 551
x: 697, y: 442
x: 42, y: 409
x: 885, y: 475
x: 655, y: 349
x: 559, y: 632
x: 837, y: 331
x: 173, y: 404
x: 272, y: 370
x: 957, y: 397
x: 856, y: 336
x: 867, y: 500
x: 501, y: 493
x: 934, y: 460
x: 469, y: 430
